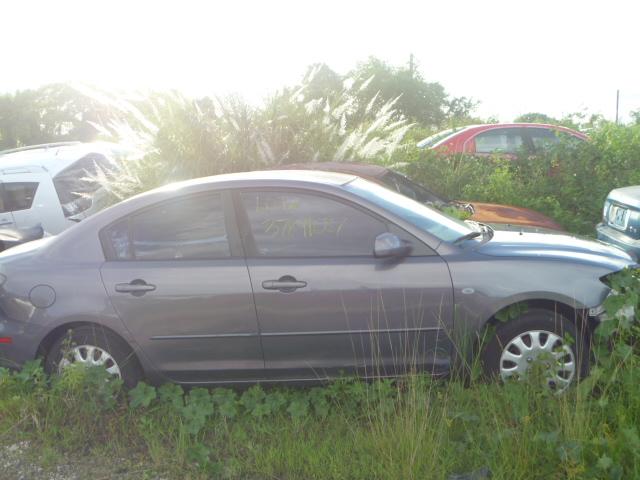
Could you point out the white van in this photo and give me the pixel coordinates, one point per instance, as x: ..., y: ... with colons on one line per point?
x: 48, y: 184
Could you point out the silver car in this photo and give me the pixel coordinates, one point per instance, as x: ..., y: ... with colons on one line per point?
x: 297, y: 276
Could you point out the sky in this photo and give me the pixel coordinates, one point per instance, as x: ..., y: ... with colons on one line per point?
x: 514, y: 57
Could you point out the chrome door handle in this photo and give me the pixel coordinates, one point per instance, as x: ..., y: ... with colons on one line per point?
x: 135, y: 287
x: 285, y: 284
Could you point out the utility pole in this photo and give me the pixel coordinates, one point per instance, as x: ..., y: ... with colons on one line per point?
x: 617, y: 104
x: 411, y: 64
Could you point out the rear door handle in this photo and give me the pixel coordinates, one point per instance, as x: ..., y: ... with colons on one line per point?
x: 285, y: 284
x: 135, y: 287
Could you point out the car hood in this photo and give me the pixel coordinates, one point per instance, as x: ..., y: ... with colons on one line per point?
x: 555, y: 246
x: 627, y: 196
x: 507, y: 214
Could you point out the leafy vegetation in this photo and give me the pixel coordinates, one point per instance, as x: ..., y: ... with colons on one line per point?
x: 568, y: 183
x: 413, y: 427
x: 376, y: 113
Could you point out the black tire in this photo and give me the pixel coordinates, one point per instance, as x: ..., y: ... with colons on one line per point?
x: 531, y: 320
x: 130, y: 369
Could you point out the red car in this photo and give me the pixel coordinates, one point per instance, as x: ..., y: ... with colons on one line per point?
x: 509, y: 138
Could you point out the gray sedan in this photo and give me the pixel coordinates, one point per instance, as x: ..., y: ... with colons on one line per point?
x: 297, y: 276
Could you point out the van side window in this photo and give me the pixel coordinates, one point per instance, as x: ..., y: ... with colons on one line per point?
x: 18, y: 195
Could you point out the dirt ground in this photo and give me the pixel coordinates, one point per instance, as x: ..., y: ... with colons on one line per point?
x: 20, y: 461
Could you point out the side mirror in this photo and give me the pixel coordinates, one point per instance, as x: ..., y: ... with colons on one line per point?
x: 389, y: 245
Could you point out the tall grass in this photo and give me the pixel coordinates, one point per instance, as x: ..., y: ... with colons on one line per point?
x: 181, y: 138
x: 414, y: 427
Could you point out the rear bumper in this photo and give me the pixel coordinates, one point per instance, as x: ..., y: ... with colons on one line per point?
x: 24, y: 343
x: 619, y: 239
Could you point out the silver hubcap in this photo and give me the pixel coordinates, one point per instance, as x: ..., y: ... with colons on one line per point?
x: 543, y: 348
x: 91, y: 356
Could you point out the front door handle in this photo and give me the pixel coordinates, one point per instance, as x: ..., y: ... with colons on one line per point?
x: 285, y: 284
x: 135, y: 287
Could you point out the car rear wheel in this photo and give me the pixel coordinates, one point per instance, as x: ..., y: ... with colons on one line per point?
x: 538, y: 341
x: 92, y: 345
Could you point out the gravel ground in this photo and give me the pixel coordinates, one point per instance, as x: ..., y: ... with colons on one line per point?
x: 19, y: 461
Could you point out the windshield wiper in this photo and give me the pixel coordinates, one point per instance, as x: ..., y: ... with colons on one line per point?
x: 467, y: 236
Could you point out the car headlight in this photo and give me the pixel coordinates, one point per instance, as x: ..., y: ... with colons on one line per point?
x: 605, y: 210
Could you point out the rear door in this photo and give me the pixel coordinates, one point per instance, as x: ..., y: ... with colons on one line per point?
x: 325, y: 304
x: 177, y: 277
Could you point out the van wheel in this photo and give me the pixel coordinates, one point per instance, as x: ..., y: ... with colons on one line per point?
x: 538, y: 340
x: 93, y: 345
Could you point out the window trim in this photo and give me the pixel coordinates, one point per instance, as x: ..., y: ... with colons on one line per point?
x: 248, y: 240
x: 233, y: 237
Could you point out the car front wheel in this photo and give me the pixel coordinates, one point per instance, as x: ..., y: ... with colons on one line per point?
x: 538, y: 341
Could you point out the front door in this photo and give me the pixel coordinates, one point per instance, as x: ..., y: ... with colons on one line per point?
x: 180, y: 285
x: 325, y: 304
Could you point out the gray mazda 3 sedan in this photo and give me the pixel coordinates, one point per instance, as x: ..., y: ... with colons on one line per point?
x: 297, y: 276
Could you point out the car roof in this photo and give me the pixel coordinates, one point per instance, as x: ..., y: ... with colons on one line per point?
x: 490, y: 126
x: 351, y: 168
x: 53, y: 157
x: 259, y: 176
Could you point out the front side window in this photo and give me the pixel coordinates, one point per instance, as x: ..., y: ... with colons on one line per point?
x: 19, y: 195
x: 190, y: 228
x: 543, y: 139
x: 291, y: 224
x: 499, y: 140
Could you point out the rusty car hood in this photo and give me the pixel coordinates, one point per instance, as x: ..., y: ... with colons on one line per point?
x: 493, y: 213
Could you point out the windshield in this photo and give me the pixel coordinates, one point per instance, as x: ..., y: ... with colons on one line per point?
x: 425, y: 218
x: 403, y: 185
x: 433, y: 139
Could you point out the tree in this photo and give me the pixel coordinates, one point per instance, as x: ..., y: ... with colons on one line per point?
x: 422, y: 102
x: 535, y: 117
x: 52, y: 113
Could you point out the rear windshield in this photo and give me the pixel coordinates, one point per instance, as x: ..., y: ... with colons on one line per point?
x: 75, y: 185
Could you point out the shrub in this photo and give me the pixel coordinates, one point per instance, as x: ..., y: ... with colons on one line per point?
x: 568, y: 183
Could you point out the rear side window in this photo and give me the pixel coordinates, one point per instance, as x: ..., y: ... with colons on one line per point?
x: 18, y: 195
x: 185, y: 229
x: 499, y: 140
x: 291, y: 224
x: 118, y: 238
